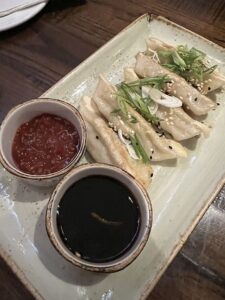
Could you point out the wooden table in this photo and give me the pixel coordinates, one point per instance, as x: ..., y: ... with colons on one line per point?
x: 34, y: 56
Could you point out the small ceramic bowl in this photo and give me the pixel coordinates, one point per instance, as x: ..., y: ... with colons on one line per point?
x: 27, y: 111
x: 135, y: 188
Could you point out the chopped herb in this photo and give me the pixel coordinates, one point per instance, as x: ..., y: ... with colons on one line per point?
x: 157, y: 82
x: 127, y: 94
x: 139, y: 150
x: 188, y: 63
x: 122, y: 104
x: 115, y: 111
x: 133, y: 119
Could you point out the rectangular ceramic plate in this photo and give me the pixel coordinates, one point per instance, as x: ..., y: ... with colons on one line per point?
x: 180, y: 192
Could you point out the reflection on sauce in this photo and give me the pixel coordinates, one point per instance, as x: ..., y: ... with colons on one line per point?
x: 98, y: 218
x: 45, y: 144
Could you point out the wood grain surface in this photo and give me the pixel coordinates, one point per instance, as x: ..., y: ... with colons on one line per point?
x: 37, y: 54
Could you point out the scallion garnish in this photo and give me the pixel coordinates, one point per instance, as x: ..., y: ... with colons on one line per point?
x: 115, y: 111
x: 127, y: 93
x: 139, y: 150
x: 157, y: 82
x: 188, y: 63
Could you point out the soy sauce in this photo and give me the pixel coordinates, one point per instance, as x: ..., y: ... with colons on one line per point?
x: 98, y: 219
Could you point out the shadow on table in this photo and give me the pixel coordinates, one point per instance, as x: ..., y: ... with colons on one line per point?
x: 55, y: 5
x: 56, y: 264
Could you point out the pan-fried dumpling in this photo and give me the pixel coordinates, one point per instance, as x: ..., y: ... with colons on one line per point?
x: 173, y: 120
x: 179, y: 124
x: 157, y: 148
x: 104, y: 145
x: 211, y: 82
x: 194, y: 101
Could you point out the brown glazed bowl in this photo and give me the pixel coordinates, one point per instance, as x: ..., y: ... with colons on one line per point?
x: 25, y: 112
x: 135, y: 188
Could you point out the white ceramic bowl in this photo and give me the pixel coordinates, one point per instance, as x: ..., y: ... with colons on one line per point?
x: 136, y: 189
x: 27, y: 111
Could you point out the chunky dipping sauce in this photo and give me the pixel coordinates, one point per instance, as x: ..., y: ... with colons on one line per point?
x: 98, y: 218
x: 45, y: 144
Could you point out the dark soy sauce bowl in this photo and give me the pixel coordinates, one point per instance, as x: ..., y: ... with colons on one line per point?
x: 141, y: 197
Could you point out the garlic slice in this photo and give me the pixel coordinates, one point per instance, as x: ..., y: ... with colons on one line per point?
x: 128, y: 145
x: 161, y: 98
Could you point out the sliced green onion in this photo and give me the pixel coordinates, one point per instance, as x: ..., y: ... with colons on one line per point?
x: 139, y: 150
x: 188, y: 63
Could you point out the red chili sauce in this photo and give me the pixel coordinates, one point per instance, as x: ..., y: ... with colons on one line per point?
x: 45, y: 144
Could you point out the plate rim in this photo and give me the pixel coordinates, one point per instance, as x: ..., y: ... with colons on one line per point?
x: 177, y: 247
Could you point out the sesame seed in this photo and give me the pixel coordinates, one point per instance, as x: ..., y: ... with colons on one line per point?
x: 152, y: 175
x: 97, y: 137
x: 170, y: 147
x: 196, y: 99
x: 209, y: 88
x: 181, y: 98
x: 218, y: 104
x: 150, y: 157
